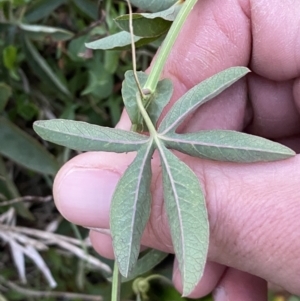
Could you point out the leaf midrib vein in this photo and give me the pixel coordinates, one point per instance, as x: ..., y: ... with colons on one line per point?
x: 193, y: 143
x: 137, y: 191
x: 86, y: 136
x: 175, y: 197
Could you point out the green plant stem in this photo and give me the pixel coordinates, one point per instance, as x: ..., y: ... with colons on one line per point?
x: 116, y: 284
x: 133, y: 50
x: 167, y: 46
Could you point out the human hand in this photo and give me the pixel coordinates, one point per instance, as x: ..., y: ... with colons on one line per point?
x: 253, y: 209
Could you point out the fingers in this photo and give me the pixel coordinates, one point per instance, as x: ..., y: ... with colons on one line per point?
x: 262, y: 34
x: 296, y: 94
x: 226, y: 285
x: 216, y: 36
x: 199, y: 54
x: 253, y: 210
x: 237, y: 285
x: 102, y: 244
x: 219, y: 35
x: 86, y: 184
x: 257, y: 230
x: 275, y: 114
x: 275, y: 38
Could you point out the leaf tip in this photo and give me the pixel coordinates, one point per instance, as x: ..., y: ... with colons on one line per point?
x: 124, y: 268
x: 88, y: 45
x: 187, y: 290
x: 291, y: 153
x: 36, y: 125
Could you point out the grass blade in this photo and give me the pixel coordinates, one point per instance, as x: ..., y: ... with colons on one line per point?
x: 41, y: 9
x: 40, y: 32
x: 187, y: 215
x: 130, y: 209
x: 83, y: 136
x: 199, y: 95
x: 229, y: 146
x: 21, y: 148
x: 40, y: 66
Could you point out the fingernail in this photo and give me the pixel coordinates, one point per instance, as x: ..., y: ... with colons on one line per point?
x: 220, y: 294
x: 84, y: 195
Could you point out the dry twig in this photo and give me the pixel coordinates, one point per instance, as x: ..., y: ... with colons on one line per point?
x: 27, y: 198
x: 47, y: 294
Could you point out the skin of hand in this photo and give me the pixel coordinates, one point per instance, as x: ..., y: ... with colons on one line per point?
x: 254, y: 209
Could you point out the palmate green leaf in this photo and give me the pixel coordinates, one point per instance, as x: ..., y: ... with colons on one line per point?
x: 21, y: 148
x: 119, y: 41
x: 130, y: 209
x: 144, y: 27
x: 146, y: 264
x: 229, y: 146
x: 40, y: 32
x: 199, y: 95
x: 83, y: 136
x: 187, y: 216
x: 155, y: 104
x: 153, y: 5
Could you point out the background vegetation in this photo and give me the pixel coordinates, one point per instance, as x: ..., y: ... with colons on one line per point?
x: 46, y: 72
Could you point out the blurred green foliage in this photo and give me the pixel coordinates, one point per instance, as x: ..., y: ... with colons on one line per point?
x: 47, y: 72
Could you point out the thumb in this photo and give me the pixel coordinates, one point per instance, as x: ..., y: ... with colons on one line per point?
x: 253, y: 209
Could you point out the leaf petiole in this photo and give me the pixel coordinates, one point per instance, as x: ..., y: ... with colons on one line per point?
x: 116, y: 284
